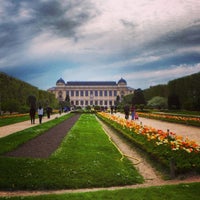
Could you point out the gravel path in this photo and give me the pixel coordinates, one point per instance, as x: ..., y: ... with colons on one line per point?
x: 191, y: 132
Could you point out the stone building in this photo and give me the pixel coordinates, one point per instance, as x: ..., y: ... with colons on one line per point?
x: 91, y: 93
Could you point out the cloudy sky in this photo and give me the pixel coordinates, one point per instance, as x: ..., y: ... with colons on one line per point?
x: 146, y: 42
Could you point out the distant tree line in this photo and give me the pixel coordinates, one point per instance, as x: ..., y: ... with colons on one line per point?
x: 181, y: 93
x: 17, y: 95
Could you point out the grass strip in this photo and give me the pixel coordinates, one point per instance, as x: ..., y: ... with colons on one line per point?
x: 169, y: 192
x: 12, y: 141
x: 86, y: 158
x: 13, y: 120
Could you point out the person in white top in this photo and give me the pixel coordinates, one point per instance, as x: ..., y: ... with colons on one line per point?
x: 40, y: 114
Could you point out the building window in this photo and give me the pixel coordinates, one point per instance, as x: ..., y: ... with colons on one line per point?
x: 77, y: 93
x: 91, y: 93
x: 105, y: 103
x: 86, y: 93
x: 72, y: 103
x: 110, y: 93
x: 96, y: 103
x: 60, y: 94
x: 77, y: 103
x: 91, y: 103
x: 101, y: 102
x: 115, y: 93
x: 110, y: 103
x: 105, y: 93
x: 81, y: 103
x: 82, y: 93
x: 72, y: 93
x: 96, y: 93
x: 86, y: 103
x: 101, y: 93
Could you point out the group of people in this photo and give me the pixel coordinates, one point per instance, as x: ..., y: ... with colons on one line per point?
x: 127, y: 111
x: 40, y: 112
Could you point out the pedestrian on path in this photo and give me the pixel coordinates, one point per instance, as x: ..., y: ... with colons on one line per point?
x: 49, y: 110
x: 32, y: 114
x: 132, y: 112
x: 126, y: 111
x: 40, y: 114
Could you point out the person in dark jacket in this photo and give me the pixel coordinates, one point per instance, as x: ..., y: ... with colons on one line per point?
x: 32, y: 114
x: 126, y: 111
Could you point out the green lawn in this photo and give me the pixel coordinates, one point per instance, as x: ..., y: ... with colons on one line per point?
x: 86, y: 158
x: 172, y: 192
x: 12, y: 120
x: 14, y: 140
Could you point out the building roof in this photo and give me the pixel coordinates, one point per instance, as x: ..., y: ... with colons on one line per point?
x: 91, y: 83
x: 122, y: 81
x: 51, y: 89
x: 60, y: 81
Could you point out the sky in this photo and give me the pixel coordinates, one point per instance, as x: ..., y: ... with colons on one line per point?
x: 146, y: 42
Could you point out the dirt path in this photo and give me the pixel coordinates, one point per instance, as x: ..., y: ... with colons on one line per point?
x: 145, y: 169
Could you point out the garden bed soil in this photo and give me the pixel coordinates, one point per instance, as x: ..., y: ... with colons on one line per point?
x: 44, y: 145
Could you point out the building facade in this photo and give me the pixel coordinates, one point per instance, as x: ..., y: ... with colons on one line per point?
x: 91, y: 93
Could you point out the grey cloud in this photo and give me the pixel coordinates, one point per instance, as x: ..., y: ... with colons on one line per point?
x: 188, y: 37
x: 127, y: 24
x: 53, y: 16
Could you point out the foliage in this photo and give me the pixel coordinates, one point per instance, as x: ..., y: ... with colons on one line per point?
x: 157, y: 102
x: 186, y: 191
x: 14, y: 118
x: 160, y: 145
x: 79, y: 162
x: 173, y: 101
x: 181, y: 93
x: 153, y: 91
x: 15, y: 95
x: 138, y: 97
x: 175, y: 118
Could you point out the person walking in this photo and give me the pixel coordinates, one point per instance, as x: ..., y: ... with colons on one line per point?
x: 40, y: 114
x: 126, y: 111
x: 48, y: 112
x: 132, y: 112
x: 32, y: 114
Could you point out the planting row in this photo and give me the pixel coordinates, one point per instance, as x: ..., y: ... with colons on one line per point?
x: 165, y: 147
x: 194, y: 121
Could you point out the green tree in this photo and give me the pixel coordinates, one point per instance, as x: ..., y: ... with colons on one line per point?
x: 173, y: 101
x: 157, y: 102
x: 138, y: 97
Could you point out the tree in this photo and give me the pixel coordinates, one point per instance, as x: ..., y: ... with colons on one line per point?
x: 157, y: 102
x: 138, y: 97
x: 11, y: 105
x: 173, y: 101
x: 31, y: 101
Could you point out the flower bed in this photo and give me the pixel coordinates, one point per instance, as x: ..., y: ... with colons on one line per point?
x: 12, y: 116
x: 165, y: 147
x: 194, y: 121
